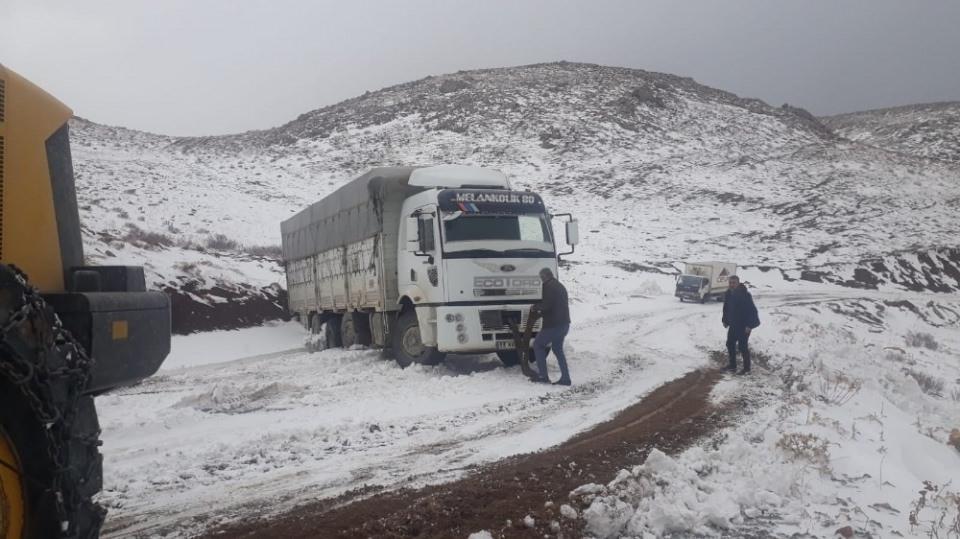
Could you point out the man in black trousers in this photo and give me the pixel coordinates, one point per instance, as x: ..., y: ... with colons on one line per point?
x: 740, y: 318
x: 555, y: 309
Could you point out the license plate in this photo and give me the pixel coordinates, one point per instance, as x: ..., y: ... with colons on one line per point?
x: 506, y: 345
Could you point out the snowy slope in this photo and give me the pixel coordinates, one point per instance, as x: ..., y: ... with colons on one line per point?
x: 929, y: 130
x: 659, y: 168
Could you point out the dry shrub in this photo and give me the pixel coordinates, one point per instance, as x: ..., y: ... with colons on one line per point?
x: 793, y: 380
x: 928, y: 383
x: 274, y: 252
x: 142, y: 238
x: 898, y: 355
x: 189, y: 268
x: 918, y: 339
x: 836, y: 387
x: 760, y: 358
x: 955, y: 394
x: 220, y: 242
x: 936, y: 511
x: 954, y: 440
x: 806, y: 447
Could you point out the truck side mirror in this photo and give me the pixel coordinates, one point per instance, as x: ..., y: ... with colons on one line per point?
x: 573, y: 232
x: 413, y: 232
x: 572, y: 229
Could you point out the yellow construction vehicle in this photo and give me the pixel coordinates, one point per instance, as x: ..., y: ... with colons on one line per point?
x: 67, y: 331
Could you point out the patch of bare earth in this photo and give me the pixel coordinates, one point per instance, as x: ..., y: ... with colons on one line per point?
x: 498, y: 496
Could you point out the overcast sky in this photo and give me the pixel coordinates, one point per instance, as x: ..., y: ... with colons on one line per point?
x: 192, y: 67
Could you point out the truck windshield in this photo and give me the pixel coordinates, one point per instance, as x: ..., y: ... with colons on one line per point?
x: 691, y: 280
x: 463, y: 231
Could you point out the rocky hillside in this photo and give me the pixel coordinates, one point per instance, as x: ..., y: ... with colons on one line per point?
x: 931, y: 130
x: 658, y: 168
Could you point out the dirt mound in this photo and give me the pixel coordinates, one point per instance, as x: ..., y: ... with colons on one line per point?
x: 195, y: 309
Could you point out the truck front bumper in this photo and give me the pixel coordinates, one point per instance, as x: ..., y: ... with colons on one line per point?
x: 480, y: 328
x: 688, y: 294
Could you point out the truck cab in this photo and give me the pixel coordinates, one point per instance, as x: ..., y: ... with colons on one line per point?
x: 692, y: 287
x: 470, y: 260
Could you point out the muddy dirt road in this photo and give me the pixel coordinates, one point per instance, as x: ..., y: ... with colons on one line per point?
x: 670, y: 418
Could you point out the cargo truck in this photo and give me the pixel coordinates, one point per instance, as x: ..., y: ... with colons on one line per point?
x: 425, y: 261
x: 704, y: 281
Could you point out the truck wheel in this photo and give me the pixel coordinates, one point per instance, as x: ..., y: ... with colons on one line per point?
x: 331, y: 332
x: 13, y: 509
x: 355, y: 329
x: 50, y: 465
x: 348, y: 331
x: 361, y: 324
x: 27, y: 473
x: 315, y: 342
x: 509, y: 358
x: 407, y: 346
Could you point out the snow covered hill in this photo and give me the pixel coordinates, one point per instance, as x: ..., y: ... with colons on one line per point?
x: 658, y: 168
x: 929, y: 130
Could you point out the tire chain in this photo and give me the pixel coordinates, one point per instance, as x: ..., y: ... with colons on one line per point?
x: 61, y: 357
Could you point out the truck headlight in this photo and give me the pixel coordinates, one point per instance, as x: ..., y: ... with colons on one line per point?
x: 458, y: 317
x: 462, y: 338
x: 454, y: 317
x: 461, y: 328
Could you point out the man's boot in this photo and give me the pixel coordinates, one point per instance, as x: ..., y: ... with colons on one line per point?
x: 746, y: 360
x: 732, y: 363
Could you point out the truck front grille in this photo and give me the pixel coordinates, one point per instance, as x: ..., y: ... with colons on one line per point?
x: 498, y: 320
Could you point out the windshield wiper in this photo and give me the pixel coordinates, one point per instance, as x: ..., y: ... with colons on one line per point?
x: 528, y: 250
x: 474, y: 252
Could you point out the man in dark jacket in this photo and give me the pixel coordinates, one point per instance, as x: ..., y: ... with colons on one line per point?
x: 740, y: 318
x: 555, y: 308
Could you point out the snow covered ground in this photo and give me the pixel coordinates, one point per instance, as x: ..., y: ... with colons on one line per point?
x: 247, y: 423
x: 850, y: 415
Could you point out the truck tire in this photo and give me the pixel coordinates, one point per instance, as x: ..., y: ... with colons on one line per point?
x: 331, y: 332
x: 314, y: 342
x: 509, y: 358
x: 348, y: 331
x: 407, y: 346
x: 49, y: 434
x: 361, y: 324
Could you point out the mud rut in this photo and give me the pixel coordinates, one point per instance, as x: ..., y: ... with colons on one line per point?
x: 671, y: 418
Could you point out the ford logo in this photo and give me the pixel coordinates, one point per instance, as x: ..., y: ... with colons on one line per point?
x: 507, y: 267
